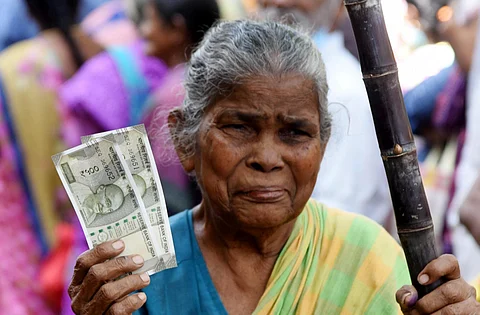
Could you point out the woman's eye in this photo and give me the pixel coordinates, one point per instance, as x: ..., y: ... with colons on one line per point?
x: 235, y: 126
x: 238, y: 130
x: 294, y: 133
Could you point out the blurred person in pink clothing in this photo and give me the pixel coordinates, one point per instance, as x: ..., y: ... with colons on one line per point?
x: 31, y: 71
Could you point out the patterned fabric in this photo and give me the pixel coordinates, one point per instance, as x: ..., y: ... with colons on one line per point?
x: 19, y: 293
x: 31, y: 74
x: 28, y: 182
x: 335, y: 263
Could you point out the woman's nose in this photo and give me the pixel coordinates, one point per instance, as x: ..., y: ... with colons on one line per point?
x: 266, y: 157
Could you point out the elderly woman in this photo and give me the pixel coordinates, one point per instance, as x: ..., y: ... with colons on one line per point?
x: 253, y: 129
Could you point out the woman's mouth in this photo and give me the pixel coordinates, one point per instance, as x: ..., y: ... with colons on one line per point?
x: 265, y: 194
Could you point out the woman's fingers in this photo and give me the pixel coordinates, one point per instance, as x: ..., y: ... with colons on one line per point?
x: 406, y: 297
x: 115, y: 292
x: 95, y: 256
x: 454, y: 295
x: 101, y: 273
x: 469, y: 306
x: 445, y: 266
x: 128, y: 305
x: 450, y: 293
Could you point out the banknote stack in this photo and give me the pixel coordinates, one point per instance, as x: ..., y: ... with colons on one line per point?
x: 114, y: 186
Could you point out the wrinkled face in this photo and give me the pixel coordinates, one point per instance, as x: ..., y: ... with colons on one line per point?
x: 305, y: 13
x: 259, y: 150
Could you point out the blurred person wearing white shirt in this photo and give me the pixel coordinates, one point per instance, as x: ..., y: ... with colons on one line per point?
x: 464, y: 245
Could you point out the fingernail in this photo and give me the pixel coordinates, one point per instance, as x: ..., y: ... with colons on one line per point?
x: 412, y: 300
x: 138, y: 260
x: 117, y: 245
x: 423, y: 279
x: 142, y: 296
x: 145, y: 277
x: 405, y: 297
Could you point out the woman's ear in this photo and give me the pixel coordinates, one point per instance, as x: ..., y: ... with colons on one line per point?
x: 175, y: 124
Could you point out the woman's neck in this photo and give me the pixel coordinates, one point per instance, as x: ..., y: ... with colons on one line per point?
x: 228, y: 237
x: 174, y: 60
x: 88, y: 48
x: 240, y: 262
x: 176, y: 56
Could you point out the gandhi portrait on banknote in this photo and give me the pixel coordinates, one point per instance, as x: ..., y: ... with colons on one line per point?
x: 108, y: 204
x: 106, y: 199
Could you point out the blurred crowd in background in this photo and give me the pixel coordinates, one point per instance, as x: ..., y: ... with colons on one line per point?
x: 77, y: 67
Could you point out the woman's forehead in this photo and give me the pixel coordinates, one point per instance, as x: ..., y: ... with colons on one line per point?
x: 292, y: 94
x: 292, y: 84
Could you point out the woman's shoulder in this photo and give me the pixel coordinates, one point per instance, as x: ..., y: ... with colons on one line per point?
x: 344, y: 219
x: 17, y: 48
x: 105, y: 64
x: 356, y: 228
x: 357, y: 254
x: 179, y: 221
x: 182, y: 232
x: 26, y: 52
x: 97, y: 82
x: 32, y: 65
x: 99, y: 65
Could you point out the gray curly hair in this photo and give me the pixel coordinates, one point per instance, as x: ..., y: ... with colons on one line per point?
x: 234, y: 51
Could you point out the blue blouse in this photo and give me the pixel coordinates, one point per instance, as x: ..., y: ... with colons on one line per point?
x: 187, y: 289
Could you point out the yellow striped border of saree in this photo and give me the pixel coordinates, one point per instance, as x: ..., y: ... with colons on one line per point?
x: 335, y: 263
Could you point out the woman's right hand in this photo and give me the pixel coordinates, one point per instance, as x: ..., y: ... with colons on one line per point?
x: 93, y: 289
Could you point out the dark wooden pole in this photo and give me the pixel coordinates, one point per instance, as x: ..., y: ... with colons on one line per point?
x: 394, y: 134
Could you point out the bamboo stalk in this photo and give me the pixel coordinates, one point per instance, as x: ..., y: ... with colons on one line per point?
x: 395, y: 138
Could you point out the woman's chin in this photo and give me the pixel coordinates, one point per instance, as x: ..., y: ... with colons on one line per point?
x: 263, y: 215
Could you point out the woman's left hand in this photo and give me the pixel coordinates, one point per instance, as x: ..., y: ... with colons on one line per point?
x: 453, y: 297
